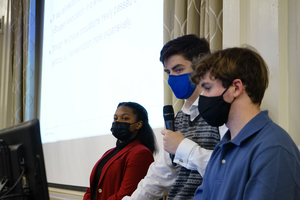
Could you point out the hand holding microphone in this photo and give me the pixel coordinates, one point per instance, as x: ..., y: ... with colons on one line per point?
x: 171, y: 139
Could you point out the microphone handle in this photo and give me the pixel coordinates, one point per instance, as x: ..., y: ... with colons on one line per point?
x: 170, y: 126
x: 172, y: 158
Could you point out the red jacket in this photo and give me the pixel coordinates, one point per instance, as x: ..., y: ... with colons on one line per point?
x: 122, y: 172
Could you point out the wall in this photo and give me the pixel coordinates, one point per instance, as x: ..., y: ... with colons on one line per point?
x: 4, y: 62
x: 60, y: 194
x: 294, y: 69
x: 272, y: 27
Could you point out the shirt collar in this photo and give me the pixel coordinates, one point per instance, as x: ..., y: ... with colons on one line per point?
x: 192, y: 111
x: 253, y: 126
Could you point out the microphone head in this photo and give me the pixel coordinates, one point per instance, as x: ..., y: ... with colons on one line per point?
x: 168, y: 112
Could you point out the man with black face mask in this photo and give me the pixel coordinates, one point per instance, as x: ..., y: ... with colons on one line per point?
x: 193, y: 139
x: 256, y: 159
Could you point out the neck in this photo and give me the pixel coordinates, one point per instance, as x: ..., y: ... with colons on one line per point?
x: 239, y: 116
x: 189, y: 102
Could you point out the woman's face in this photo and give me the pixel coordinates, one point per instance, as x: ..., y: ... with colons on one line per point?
x: 125, y: 114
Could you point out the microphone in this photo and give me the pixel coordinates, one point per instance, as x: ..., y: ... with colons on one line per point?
x: 169, y: 122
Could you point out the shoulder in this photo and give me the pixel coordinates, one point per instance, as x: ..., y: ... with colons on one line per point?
x: 272, y: 142
x: 140, y: 153
x: 263, y: 133
x: 137, y: 148
x: 140, y: 147
x: 274, y: 135
x: 180, y: 114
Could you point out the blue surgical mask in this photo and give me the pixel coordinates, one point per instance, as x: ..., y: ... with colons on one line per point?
x: 181, y: 85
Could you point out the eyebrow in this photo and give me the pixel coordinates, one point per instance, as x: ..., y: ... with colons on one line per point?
x: 173, y: 68
x: 176, y: 66
x: 123, y: 114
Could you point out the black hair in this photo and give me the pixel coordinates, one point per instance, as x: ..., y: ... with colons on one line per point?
x: 189, y: 46
x: 146, y: 134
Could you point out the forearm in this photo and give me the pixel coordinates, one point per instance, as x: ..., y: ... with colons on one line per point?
x: 191, y: 156
x: 158, y: 181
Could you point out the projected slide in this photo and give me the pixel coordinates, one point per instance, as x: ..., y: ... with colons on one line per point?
x: 97, y: 53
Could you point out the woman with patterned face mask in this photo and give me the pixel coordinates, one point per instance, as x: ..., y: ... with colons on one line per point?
x: 120, y: 169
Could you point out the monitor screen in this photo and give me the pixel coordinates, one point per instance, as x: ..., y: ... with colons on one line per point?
x: 22, y: 168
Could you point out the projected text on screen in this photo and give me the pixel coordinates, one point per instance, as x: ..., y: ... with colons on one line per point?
x: 97, y: 53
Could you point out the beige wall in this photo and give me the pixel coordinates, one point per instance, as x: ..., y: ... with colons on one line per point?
x: 61, y: 194
x: 4, y: 63
x: 294, y: 69
x: 273, y: 28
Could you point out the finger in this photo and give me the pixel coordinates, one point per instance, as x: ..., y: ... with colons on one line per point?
x: 163, y: 132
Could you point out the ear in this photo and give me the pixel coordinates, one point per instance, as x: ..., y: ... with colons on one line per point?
x: 238, y: 87
x: 139, y: 125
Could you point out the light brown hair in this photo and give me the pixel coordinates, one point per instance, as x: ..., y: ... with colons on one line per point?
x: 235, y: 63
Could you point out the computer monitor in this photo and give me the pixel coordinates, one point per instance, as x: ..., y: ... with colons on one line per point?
x: 22, y: 167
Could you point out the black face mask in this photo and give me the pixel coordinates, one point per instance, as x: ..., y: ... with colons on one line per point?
x: 214, y: 110
x: 121, y: 130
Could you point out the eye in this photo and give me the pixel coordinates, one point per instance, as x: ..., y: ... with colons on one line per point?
x: 115, y: 119
x: 167, y: 71
x: 206, y: 87
x: 178, y: 70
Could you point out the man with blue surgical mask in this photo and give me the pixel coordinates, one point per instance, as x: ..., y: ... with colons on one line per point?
x: 193, y: 139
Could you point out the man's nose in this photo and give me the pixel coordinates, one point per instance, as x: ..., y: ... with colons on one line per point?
x: 172, y: 73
